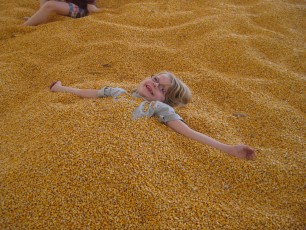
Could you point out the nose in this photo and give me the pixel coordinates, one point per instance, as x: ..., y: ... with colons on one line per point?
x: 155, y: 84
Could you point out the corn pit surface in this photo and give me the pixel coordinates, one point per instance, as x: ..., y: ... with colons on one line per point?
x: 71, y: 163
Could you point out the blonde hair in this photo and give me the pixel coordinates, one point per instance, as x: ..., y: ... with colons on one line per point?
x: 178, y: 93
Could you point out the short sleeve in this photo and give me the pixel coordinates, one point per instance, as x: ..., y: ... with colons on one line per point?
x: 110, y: 92
x: 164, y: 112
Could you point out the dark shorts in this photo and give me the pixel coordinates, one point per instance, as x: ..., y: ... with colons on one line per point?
x: 75, y: 11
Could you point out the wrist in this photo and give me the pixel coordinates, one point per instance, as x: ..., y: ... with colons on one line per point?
x: 228, y: 149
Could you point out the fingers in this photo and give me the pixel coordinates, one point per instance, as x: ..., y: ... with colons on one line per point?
x: 51, y: 86
x: 249, y: 153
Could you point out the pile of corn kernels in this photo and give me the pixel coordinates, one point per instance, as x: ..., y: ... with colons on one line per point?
x: 72, y: 163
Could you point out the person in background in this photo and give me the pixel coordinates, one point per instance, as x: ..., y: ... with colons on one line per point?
x: 71, y: 8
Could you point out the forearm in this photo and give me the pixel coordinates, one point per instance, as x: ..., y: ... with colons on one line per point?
x: 85, y: 93
x: 204, y: 139
x: 183, y: 129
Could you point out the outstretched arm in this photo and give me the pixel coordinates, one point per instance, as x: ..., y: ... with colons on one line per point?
x: 240, y: 151
x: 85, y: 93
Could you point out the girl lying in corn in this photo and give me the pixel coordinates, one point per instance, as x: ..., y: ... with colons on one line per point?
x: 160, y: 93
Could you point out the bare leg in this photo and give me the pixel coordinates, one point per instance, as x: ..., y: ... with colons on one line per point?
x: 42, y: 2
x: 92, y: 8
x: 85, y: 93
x: 45, y: 10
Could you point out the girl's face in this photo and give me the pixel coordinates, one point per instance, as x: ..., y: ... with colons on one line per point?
x: 154, y: 88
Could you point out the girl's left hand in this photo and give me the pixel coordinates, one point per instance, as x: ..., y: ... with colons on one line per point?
x: 242, y: 152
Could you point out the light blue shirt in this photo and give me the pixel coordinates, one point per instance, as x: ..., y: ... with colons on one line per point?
x: 164, y: 112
